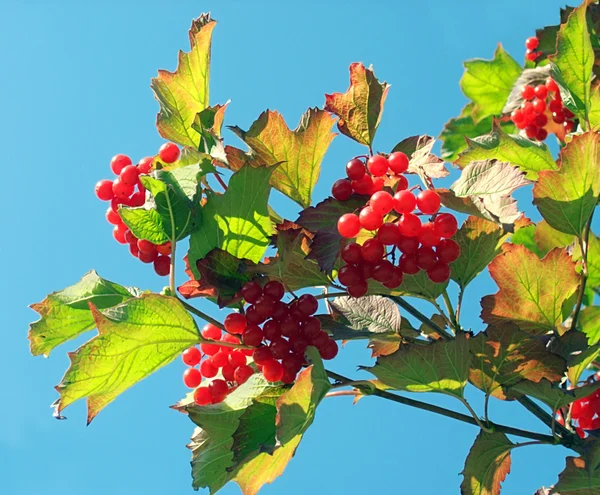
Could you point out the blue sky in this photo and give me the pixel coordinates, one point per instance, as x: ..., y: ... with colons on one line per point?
x: 76, y: 91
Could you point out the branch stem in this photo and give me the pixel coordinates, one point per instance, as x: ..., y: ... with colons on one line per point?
x: 451, y: 312
x: 584, y: 245
x: 329, y: 295
x: 220, y: 181
x: 409, y: 308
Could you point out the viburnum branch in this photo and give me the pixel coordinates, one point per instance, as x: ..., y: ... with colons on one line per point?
x: 329, y: 295
x: 220, y: 181
x: 449, y: 413
x: 442, y: 313
x: 451, y: 312
x: 421, y: 317
x: 461, y: 294
x: 584, y: 246
x: 200, y: 314
x: 475, y: 416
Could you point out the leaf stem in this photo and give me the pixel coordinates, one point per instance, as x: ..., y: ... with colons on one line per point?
x: 328, y: 295
x: 449, y: 413
x: 421, y: 317
x: 220, y: 181
x: 173, y: 246
x: 202, y: 315
x: 584, y: 245
x: 461, y: 294
x: 474, y: 414
x: 451, y: 312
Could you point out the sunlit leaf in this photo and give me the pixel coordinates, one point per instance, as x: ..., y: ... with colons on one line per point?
x: 589, y: 320
x: 553, y: 395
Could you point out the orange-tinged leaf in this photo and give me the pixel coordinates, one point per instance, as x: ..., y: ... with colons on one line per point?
x: 534, y: 294
x: 299, y: 152
x: 359, y: 108
x: 184, y: 93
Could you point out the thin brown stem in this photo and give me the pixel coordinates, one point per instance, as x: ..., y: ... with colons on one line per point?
x: 220, y: 181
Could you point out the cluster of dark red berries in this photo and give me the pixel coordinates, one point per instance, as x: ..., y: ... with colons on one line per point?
x: 586, y: 414
x: 390, y: 215
x: 543, y: 112
x: 122, y: 191
x: 532, y: 44
x: 278, y: 333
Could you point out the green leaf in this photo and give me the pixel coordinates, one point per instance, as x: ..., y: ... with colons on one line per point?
x: 184, y: 93
x: 551, y: 394
x: 567, y: 197
x: 418, y: 285
x: 534, y: 294
x: 578, y: 363
x: 578, y: 478
x: 361, y: 106
x: 594, y: 113
x: 134, y: 339
x: 488, y: 178
x: 237, y: 221
x: 376, y: 314
x: 504, y: 355
x: 575, y: 57
x: 208, y: 124
x: 529, y: 156
x: 442, y: 366
x: 489, y: 82
x: 548, y: 238
x: 526, y: 237
x: 299, y: 152
x: 589, y: 319
x: 487, y: 464
x: 480, y: 241
x: 66, y: 314
x: 291, y: 266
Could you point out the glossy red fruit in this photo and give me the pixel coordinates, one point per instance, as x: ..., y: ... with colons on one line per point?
x: 291, y: 362
x: 447, y: 251
x: 445, y: 225
x: 428, y: 236
x: 272, y: 371
x: 146, y: 246
x: 130, y: 175
x: 428, y: 201
x: 359, y: 289
x: 118, y: 162
x: 402, y: 183
x: 383, y: 271
x: 210, y: 331
x: 202, y: 396
x: 254, y: 317
x: 242, y: 374
x: 274, y: 290
x: 145, y: 164
x: 381, y: 202
x: 349, y: 275
x: 389, y: 234
x: 517, y: 116
x: 531, y: 55
x: 363, y: 185
x: 221, y: 358
x: 531, y: 131
x: 228, y: 372
x: 162, y: 265
x: 378, y: 165
x: 569, y: 125
x: 348, y: 225
x: 208, y: 369
x: 218, y: 390
x: 320, y: 340
x: 404, y: 201
x: 251, y: 292
x: 237, y: 358
x: 541, y: 91
x: 130, y: 238
x: 355, y: 169
x: 119, y: 233
x: 329, y: 350
x: 310, y: 328
x: 169, y: 152
x: 568, y: 113
x: 289, y: 327
x: 426, y: 258
x: 299, y: 345
x: 104, y: 190
x: 408, y: 245
x: 262, y: 355
x: 377, y: 186
x: 279, y: 348
x: 342, y: 189
x: 352, y: 254
x: 398, y: 162
x: 528, y: 92
x: 439, y: 273
x: 541, y: 120
x: 408, y: 264
x: 396, y: 279
x: 191, y: 356
x: 551, y: 85
x: 555, y: 105
x: 308, y: 304
x: 366, y: 268
x: 265, y: 306
x: 133, y: 249
x: 409, y: 225
x: 372, y: 250
x: 146, y: 257
x: 532, y: 43
x: 122, y: 190
x: 235, y: 323
x: 369, y: 219
x: 192, y: 377
x: 558, y: 117
x: 271, y: 330
x: 539, y: 105
x: 252, y: 335
x: 113, y: 217
x: 542, y: 134
x: 528, y: 111
x: 164, y: 249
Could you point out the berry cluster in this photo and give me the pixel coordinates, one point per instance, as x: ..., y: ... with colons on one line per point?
x: 586, y: 412
x: 279, y: 332
x: 543, y: 112
x: 532, y: 44
x: 390, y: 214
x: 122, y: 191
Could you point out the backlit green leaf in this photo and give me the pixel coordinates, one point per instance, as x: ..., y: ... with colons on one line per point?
x: 551, y: 394
x: 578, y: 478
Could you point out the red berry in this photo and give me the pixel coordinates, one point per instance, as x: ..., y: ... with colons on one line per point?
x: 192, y: 377
x: 569, y: 126
x: 428, y: 236
x: 208, y: 369
x: 210, y: 331
x: 408, y: 245
x: 531, y: 131
x: 539, y: 105
x: 272, y: 370
x: 404, y: 201
x: 289, y: 327
x: 528, y: 92
x: 191, y: 356
x: 292, y: 363
x: 119, y: 162
x: 252, y: 335
x: 555, y: 105
x: 310, y: 328
x: 237, y: 359
x: 558, y: 117
x: 381, y: 202
x: 242, y: 374
x: 130, y: 175
x: 202, y: 396
x: 541, y: 120
x: 542, y: 134
x: 352, y: 254
x: 373, y: 250
x: 383, y: 271
x: 169, y: 152
x: 398, y: 162
x: 251, y: 292
x: 119, y: 233
x: 396, y: 279
x: 122, y: 190
x: 308, y: 304
x: 517, y: 116
x: 349, y: 275
x: 428, y: 202
x: 274, y: 290
x: 445, y: 225
x: 162, y: 265
x: 265, y: 306
x: 531, y: 55
x: 254, y: 317
x: 377, y: 186
x: 235, y: 323
x: 551, y: 85
x: 528, y: 111
x: 348, y: 225
x: 363, y: 185
x: 299, y: 346
x: 447, y: 251
x: 145, y: 164
x: 279, y: 348
x: 532, y: 43
x: 439, y: 273
x: 228, y: 372
x: 272, y: 329
x: 409, y: 225
x: 164, y: 249
x: 402, y: 183
x: 355, y: 169
x: 378, y: 165
x: 130, y: 238
x: 366, y: 270
x: 541, y: 91
x: 342, y: 189
x: 104, y: 190
x: 426, y: 258
x: 359, y: 289
x: 221, y: 358
x: 568, y: 113
x: 329, y: 350
x: 262, y: 355
x: 113, y: 217
x: 408, y: 264
x: 320, y: 340
x: 146, y: 257
x: 133, y: 249
x: 389, y: 234
x: 218, y: 390
x: 146, y: 246
x: 369, y: 219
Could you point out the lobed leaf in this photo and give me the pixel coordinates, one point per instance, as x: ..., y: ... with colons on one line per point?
x: 589, y: 319
x: 488, y: 179
x: 551, y: 394
x: 578, y: 478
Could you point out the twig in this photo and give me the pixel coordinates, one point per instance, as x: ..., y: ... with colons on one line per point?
x: 328, y: 295
x: 451, y: 312
x: 220, y: 181
x: 421, y: 317
x: 584, y: 245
